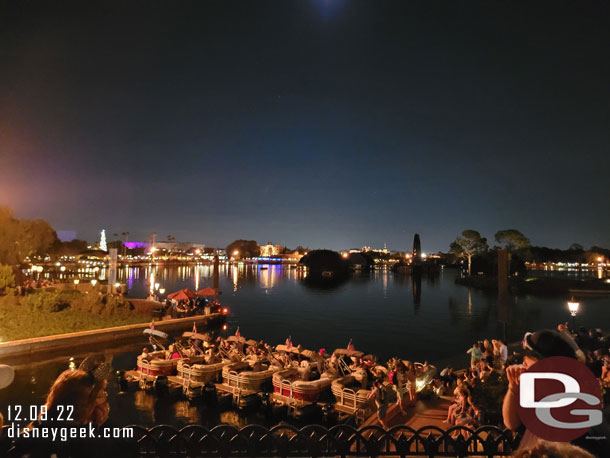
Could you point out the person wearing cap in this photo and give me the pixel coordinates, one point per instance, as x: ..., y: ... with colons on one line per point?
x: 539, y: 345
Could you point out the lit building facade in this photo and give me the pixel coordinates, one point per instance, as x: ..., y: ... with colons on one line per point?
x: 271, y: 250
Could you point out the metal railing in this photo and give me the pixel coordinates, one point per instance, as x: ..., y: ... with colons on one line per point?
x: 318, y: 441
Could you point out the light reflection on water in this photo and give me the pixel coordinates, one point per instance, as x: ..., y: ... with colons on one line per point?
x: 384, y: 313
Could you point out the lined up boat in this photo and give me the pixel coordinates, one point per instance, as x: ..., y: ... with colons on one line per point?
x: 305, y: 382
x: 246, y: 378
x: 205, y: 367
x: 155, y: 363
x: 351, y: 394
x: 294, y: 377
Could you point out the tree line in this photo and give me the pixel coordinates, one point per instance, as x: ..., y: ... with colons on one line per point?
x: 471, y: 244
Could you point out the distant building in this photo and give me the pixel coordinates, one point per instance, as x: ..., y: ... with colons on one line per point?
x: 271, y: 250
x: 367, y: 248
x: 168, y: 246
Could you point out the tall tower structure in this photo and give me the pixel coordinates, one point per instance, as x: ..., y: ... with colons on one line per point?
x: 416, y: 250
x: 103, y: 245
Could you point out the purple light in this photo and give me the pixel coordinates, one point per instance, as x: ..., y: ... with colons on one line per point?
x: 66, y: 236
x: 132, y: 245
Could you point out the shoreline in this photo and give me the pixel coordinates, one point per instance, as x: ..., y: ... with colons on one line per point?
x: 60, y: 342
x: 540, y: 286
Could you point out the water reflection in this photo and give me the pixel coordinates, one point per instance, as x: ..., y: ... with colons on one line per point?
x: 264, y: 301
x: 151, y: 283
x: 416, y: 291
x: 145, y: 402
x: 186, y: 411
x: 235, y: 277
x: 318, y: 283
x: 269, y: 276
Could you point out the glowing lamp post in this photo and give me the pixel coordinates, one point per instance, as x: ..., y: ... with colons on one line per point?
x: 573, y: 307
x: 93, y: 282
x: 162, y: 291
x: 157, y: 285
x: 76, y: 282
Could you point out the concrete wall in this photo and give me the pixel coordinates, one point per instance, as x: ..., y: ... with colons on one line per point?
x: 56, y: 343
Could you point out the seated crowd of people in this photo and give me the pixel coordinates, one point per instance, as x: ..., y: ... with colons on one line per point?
x: 471, y: 387
x: 484, y: 393
x: 182, y: 308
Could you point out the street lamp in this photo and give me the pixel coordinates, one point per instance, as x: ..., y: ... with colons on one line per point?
x: 162, y: 291
x: 573, y: 307
x: 76, y: 281
x: 93, y: 282
x: 157, y: 285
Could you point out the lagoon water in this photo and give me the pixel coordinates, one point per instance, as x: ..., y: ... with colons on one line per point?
x: 378, y: 311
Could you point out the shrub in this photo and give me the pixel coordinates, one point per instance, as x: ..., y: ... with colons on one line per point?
x: 48, y: 312
x: 7, y: 277
x: 50, y: 300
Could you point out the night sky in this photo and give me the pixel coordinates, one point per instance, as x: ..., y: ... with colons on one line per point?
x: 324, y: 123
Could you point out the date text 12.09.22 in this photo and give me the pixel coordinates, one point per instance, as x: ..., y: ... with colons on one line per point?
x: 33, y: 413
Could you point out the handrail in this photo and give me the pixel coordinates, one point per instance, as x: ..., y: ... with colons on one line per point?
x: 233, y: 375
x: 345, y: 391
x: 284, y: 382
x: 286, y: 441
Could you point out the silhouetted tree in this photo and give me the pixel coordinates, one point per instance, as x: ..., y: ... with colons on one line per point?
x: 512, y: 239
x: 22, y: 238
x: 244, y: 248
x: 467, y: 245
x: 301, y: 250
x: 71, y: 248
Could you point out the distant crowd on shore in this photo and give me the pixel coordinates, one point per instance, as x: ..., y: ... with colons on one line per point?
x: 186, y: 307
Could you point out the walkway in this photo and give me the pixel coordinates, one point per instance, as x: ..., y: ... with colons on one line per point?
x: 424, y: 413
